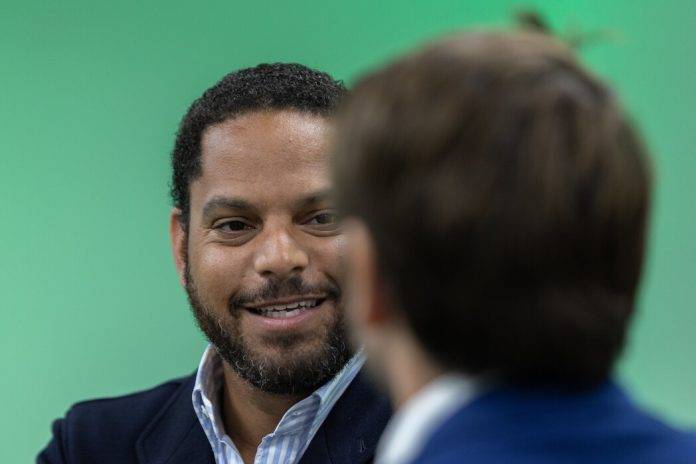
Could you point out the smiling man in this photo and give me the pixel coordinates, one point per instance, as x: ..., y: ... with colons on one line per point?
x: 257, y: 246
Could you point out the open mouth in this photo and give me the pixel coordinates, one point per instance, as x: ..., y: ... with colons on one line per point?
x: 286, y: 310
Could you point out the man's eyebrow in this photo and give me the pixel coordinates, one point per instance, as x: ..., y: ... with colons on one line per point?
x: 315, y: 197
x: 225, y: 203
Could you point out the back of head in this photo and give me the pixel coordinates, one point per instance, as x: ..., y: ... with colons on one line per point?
x: 507, y: 195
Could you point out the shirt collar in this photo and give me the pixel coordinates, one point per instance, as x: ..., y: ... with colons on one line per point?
x: 205, y: 396
x: 413, y: 424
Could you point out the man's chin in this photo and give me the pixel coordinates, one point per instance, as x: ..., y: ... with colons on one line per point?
x: 286, y: 371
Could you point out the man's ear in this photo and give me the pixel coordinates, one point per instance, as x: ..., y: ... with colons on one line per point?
x: 177, y: 235
x: 370, y: 304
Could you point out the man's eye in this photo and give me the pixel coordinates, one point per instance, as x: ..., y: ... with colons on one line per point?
x: 324, y: 219
x: 233, y: 226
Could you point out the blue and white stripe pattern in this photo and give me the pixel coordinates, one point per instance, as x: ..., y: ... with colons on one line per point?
x: 295, y: 430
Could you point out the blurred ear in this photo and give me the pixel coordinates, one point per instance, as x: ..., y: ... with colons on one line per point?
x: 177, y: 235
x: 369, y: 304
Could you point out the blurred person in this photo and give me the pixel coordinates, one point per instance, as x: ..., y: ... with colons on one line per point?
x: 495, y: 197
x: 257, y: 247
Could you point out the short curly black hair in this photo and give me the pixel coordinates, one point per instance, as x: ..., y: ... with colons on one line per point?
x: 266, y: 86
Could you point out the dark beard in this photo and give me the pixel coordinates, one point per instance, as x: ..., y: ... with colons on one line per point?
x: 301, y: 375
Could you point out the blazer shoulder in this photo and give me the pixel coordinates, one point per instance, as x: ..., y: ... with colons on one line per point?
x: 104, y: 426
x: 667, y: 444
x: 605, y: 426
x: 151, y: 397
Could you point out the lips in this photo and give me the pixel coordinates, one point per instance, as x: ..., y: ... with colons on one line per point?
x: 285, y: 309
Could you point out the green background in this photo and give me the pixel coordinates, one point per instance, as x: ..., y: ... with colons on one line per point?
x: 90, y: 97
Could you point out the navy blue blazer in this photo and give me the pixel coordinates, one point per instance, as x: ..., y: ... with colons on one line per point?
x: 545, y: 426
x: 159, y: 426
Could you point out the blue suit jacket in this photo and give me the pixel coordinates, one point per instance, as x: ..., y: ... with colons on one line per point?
x: 544, y: 426
x: 160, y: 426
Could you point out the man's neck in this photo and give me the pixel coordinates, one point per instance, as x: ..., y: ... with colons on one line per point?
x: 250, y: 414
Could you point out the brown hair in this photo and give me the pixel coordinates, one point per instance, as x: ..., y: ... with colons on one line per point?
x: 507, y: 194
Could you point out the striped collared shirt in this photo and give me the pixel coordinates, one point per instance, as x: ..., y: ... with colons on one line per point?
x: 294, y: 432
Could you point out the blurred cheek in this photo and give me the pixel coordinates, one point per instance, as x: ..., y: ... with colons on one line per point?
x: 357, y: 290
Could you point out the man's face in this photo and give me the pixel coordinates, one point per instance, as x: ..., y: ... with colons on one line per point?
x: 263, y: 249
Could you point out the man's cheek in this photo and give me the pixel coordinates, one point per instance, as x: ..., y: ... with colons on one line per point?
x: 217, y: 271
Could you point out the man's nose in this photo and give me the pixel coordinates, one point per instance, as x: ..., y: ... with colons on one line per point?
x: 280, y: 255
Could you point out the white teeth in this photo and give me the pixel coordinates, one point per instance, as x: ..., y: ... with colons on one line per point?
x: 281, y: 314
x: 287, y: 310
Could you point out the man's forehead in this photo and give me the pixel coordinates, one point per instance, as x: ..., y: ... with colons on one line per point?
x: 263, y: 165
x: 267, y: 136
x: 258, y: 165
x: 278, y: 158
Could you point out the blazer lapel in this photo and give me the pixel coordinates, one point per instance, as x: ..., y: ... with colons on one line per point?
x: 175, y: 436
x: 351, y: 431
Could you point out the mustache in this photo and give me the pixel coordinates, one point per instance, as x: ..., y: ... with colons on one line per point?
x: 275, y: 289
